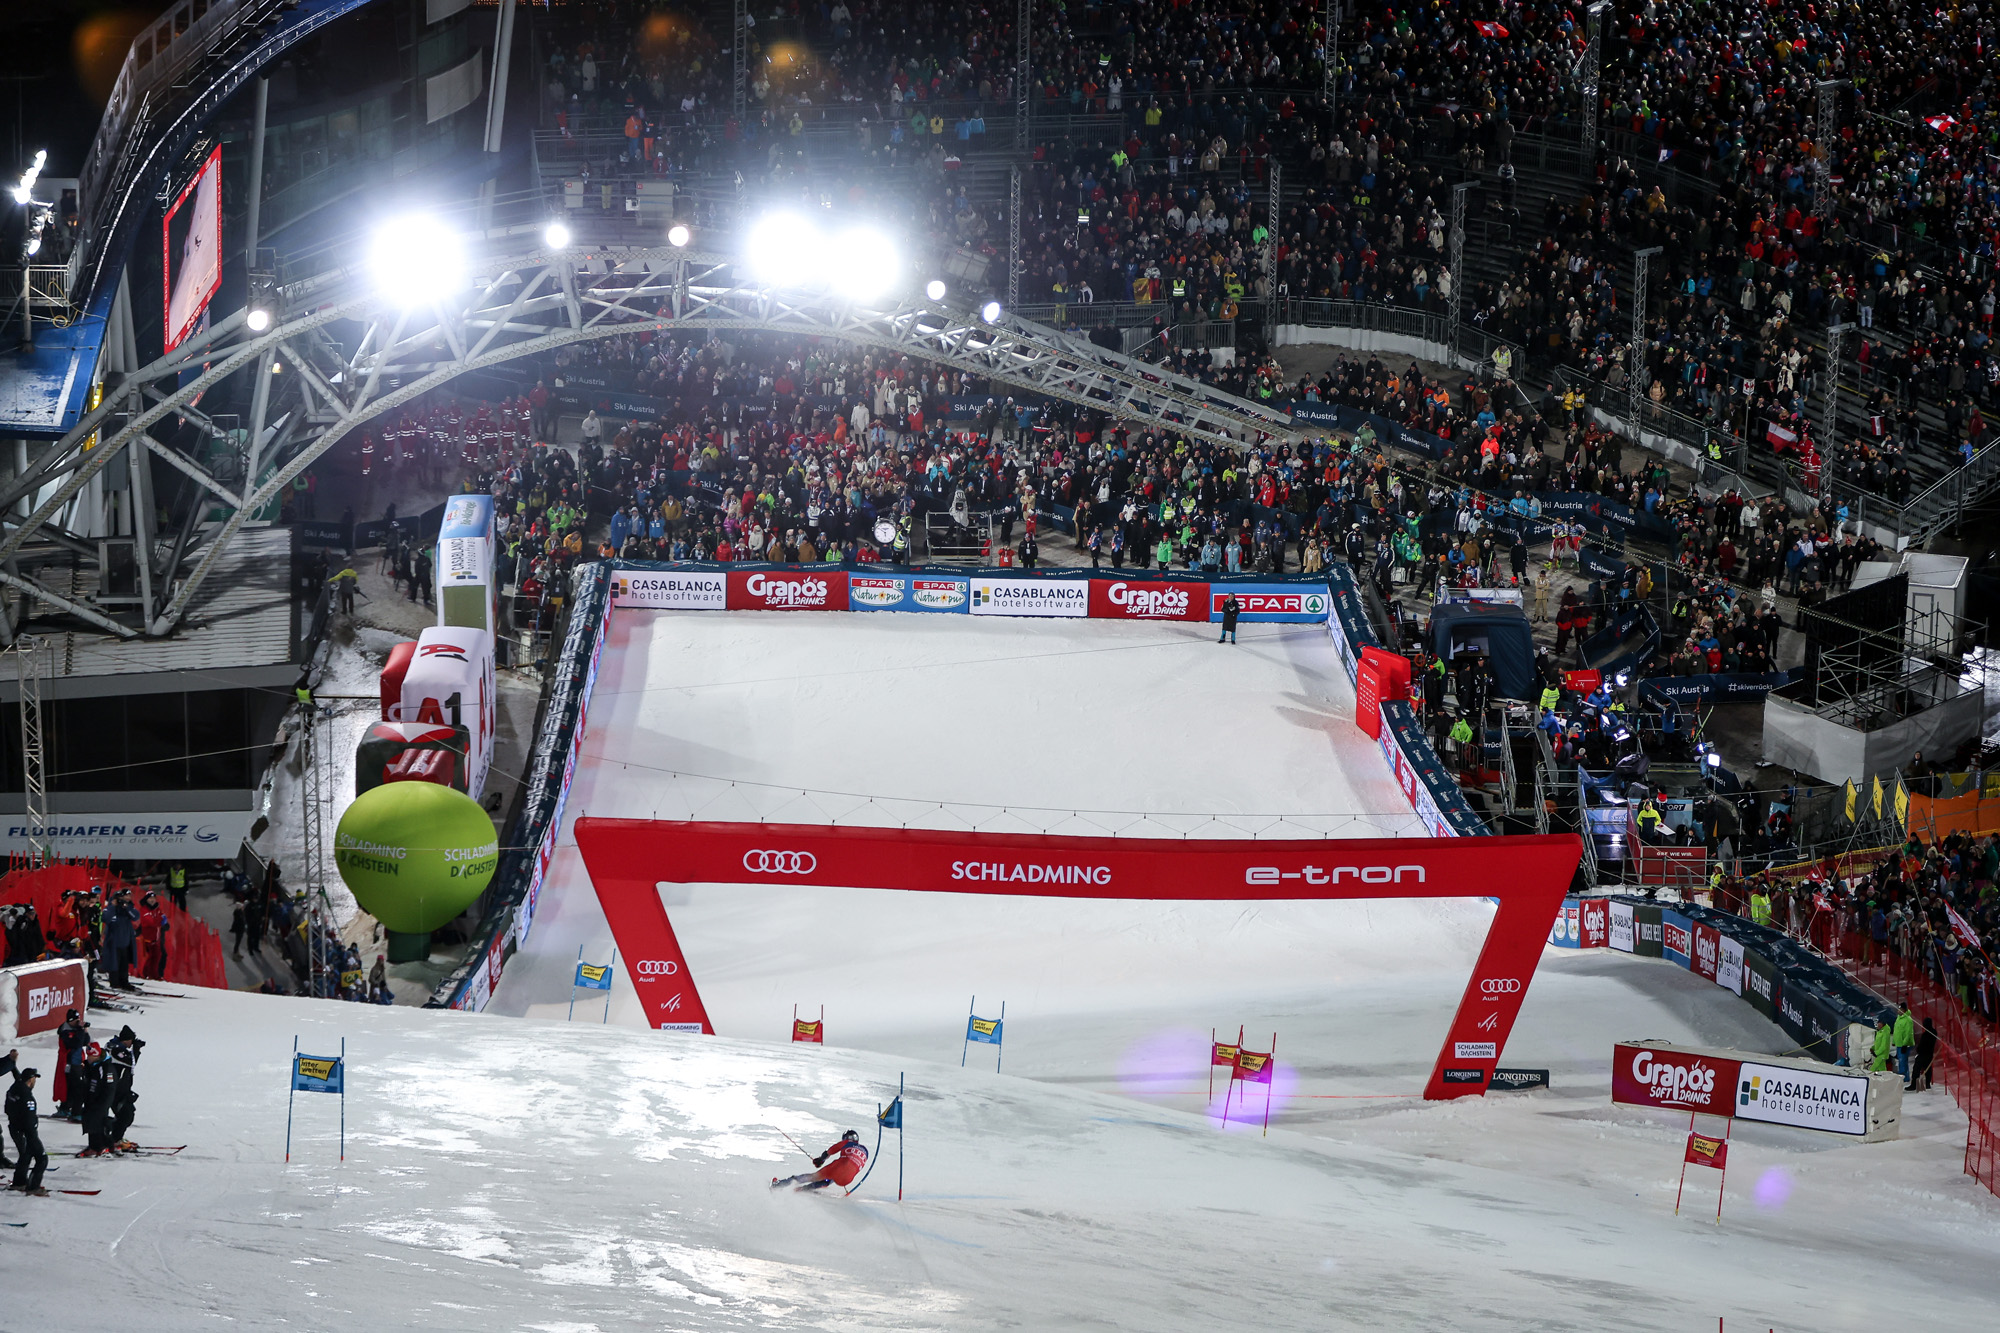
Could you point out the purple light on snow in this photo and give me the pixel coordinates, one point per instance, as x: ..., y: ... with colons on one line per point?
x: 1174, y: 1060
x: 1773, y: 1188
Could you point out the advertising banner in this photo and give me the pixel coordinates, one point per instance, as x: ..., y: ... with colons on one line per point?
x: 670, y: 590
x: 788, y: 590
x: 627, y: 859
x: 35, y: 997
x: 1646, y: 931
x: 1120, y: 600
x: 1676, y: 1080
x: 191, y: 252
x: 1729, y: 964
x: 450, y: 682
x: 465, y: 563
x: 1707, y: 950
x: 1030, y: 597
x: 1805, y: 1098
x: 1622, y: 927
x: 1567, y: 931
x: 1676, y: 937
x: 1519, y: 1080
x: 936, y: 594
x: 1270, y: 602
x: 1761, y: 984
x: 144, y: 835
x: 1595, y: 920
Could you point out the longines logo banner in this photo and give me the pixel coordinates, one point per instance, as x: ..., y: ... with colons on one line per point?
x: 627, y: 859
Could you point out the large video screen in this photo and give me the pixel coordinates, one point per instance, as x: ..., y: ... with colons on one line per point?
x: 191, y: 250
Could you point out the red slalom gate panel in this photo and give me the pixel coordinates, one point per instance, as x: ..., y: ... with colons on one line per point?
x: 628, y: 858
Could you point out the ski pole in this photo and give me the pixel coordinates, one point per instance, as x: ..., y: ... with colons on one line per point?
x: 796, y: 1144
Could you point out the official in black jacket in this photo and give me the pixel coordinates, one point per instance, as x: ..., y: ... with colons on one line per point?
x: 24, y: 1125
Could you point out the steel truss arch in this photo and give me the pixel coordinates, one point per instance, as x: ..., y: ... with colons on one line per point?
x: 517, y: 305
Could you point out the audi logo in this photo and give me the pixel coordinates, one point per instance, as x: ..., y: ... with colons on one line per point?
x: 658, y: 967
x: 780, y: 863
x: 1503, y: 986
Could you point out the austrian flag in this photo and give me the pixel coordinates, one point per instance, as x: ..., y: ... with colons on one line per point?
x: 1781, y: 438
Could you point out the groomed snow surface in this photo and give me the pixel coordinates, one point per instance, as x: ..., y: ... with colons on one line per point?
x: 578, y: 1178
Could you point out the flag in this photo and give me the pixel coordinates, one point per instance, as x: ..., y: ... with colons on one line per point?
x: 1876, y: 426
x: 892, y: 1115
x: 1902, y: 803
x: 350, y: 979
x: 1221, y: 1053
x: 1489, y: 29
x: 1940, y: 123
x: 1876, y: 789
x: 317, y: 1073
x: 1781, y: 439
x: 1253, y: 1066
x: 1705, y: 1151
x: 1961, y: 926
x: 593, y: 976
x: 983, y: 1029
x: 809, y: 1030
x: 1851, y: 791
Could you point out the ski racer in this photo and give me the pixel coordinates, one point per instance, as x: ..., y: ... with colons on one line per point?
x: 838, y: 1165
x: 24, y: 1127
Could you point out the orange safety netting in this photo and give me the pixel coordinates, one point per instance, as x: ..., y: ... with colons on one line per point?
x: 194, y: 950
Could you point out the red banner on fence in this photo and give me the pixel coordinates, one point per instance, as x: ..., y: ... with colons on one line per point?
x: 1707, y: 955
x: 628, y: 858
x: 788, y: 590
x: 1119, y: 600
x: 1595, y: 920
x: 44, y: 993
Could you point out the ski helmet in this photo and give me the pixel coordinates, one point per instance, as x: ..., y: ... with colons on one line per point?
x: 850, y: 1137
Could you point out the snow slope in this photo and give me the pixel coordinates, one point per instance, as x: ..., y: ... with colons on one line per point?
x: 577, y: 1179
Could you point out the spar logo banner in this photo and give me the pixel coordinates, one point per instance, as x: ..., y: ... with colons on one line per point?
x: 933, y: 593
x: 788, y: 590
x: 1030, y: 597
x: 1148, y: 601
x: 1677, y: 1080
x: 1271, y: 602
x: 1805, y: 1098
x: 670, y: 591
x: 627, y: 860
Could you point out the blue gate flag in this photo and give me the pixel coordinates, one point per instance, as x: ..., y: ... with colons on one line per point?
x: 318, y: 1073
x: 983, y: 1029
x: 594, y: 976
x: 892, y: 1118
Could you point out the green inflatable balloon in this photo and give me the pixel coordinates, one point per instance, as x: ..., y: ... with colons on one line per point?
x: 415, y: 854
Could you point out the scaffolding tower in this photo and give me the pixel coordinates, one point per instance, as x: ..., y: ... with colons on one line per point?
x: 28, y: 651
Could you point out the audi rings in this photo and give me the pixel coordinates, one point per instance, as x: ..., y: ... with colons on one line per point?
x: 1500, y: 986
x: 780, y: 863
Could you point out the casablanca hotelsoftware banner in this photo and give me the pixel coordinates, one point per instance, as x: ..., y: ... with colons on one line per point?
x: 191, y: 250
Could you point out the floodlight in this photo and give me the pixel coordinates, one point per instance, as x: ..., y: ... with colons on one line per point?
x: 556, y: 236
x: 864, y: 264
x: 34, y: 245
x: 25, y: 191
x: 1713, y: 759
x: 990, y: 312
x: 416, y: 260
x: 935, y: 289
x: 258, y: 320
x: 678, y: 235
x: 785, y: 250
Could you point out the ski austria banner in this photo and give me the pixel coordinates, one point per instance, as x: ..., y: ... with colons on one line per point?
x: 627, y: 860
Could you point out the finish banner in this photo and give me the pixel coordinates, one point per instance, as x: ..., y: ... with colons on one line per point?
x: 628, y: 859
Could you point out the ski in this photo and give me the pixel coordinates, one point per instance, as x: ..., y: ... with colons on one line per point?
x: 149, y: 1147
x: 78, y: 1191
x: 13, y: 1224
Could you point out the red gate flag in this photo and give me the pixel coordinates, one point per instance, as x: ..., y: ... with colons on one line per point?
x: 1705, y: 1151
x: 807, y: 1030
x: 1221, y: 1053
x: 1253, y: 1066
x: 628, y: 858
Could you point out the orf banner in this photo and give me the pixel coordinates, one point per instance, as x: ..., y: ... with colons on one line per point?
x: 788, y: 590
x: 628, y: 859
x: 1678, y: 1080
x: 35, y: 997
x: 1121, y: 600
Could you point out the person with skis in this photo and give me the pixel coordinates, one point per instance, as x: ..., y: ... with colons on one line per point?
x: 24, y: 1127
x: 73, y: 1036
x: 839, y: 1165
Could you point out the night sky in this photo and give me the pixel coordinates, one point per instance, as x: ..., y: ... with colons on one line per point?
x: 58, y: 59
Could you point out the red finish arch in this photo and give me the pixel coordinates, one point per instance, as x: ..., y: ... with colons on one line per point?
x: 628, y: 858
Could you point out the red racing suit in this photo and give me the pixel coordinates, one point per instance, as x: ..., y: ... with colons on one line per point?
x: 843, y: 1163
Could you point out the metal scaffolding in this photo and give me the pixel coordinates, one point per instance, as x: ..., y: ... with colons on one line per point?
x: 29, y: 651
x: 1458, y: 193
x: 1272, y: 211
x: 1024, y: 101
x: 1829, y: 92
x: 739, y: 48
x: 1330, y: 65
x: 351, y: 352
x: 1638, y: 374
x: 1014, y: 236
x: 1593, y: 65
x: 1829, y: 426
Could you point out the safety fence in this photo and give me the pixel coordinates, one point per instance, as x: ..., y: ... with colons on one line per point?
x: 193, y: 949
